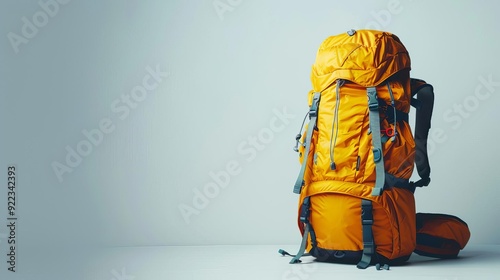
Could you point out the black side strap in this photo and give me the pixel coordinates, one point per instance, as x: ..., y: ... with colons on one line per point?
x: 368, y: 243
x: 393, y: 181
x: 425, y: 99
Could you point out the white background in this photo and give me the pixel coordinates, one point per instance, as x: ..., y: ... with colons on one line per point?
x: 229, y: 71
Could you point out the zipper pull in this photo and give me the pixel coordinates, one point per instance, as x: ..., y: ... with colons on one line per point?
x: 333, y: 166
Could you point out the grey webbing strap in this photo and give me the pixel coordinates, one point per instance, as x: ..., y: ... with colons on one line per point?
x: 304, y: 218
x: 378, y: 156
x: 313, y: 116
x: 368, y: 243
x: 302, y: 248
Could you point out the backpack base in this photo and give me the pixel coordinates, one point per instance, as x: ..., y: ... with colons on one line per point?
x: 352, y: 257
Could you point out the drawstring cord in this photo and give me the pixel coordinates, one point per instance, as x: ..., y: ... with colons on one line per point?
x: 299, y: 135
x: 335, y: 125
x: 394, y: 108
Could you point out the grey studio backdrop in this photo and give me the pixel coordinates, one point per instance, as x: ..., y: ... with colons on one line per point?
x: 142, y: 123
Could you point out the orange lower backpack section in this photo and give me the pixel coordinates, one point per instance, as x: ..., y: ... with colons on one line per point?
x: 335, y: 217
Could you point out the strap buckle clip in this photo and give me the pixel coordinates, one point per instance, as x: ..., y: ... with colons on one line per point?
x: 313, y: 110
x: 372, y: 99
x: 305, y: 210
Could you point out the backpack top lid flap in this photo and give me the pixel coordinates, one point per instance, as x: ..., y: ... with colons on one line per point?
x: 365, y: 57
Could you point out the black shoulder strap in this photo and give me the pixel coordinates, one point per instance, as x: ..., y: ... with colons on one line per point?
x: 423, y: 100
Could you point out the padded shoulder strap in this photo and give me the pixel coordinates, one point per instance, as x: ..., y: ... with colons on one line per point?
x: 423, y: 94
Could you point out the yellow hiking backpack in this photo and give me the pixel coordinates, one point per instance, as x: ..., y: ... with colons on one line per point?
x: 356, y: 201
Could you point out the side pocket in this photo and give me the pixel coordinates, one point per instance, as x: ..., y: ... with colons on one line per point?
x: 440, y: 235
x: 401, y: 153
x: 308, y: 176
x: 394, y: 224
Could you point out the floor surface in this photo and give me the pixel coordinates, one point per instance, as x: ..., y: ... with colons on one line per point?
x: 237, y: 263
x: 264, y: 262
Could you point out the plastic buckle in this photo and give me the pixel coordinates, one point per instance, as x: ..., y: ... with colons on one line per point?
x: 372, y: 99
x: 366, y: 214
x: 297, y: 142
x: 377, y: 155
x: 367, y: 222
x: 369, y: 248
x: 305, y: 211
x: 313, y: 111
x: 373, y: 106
